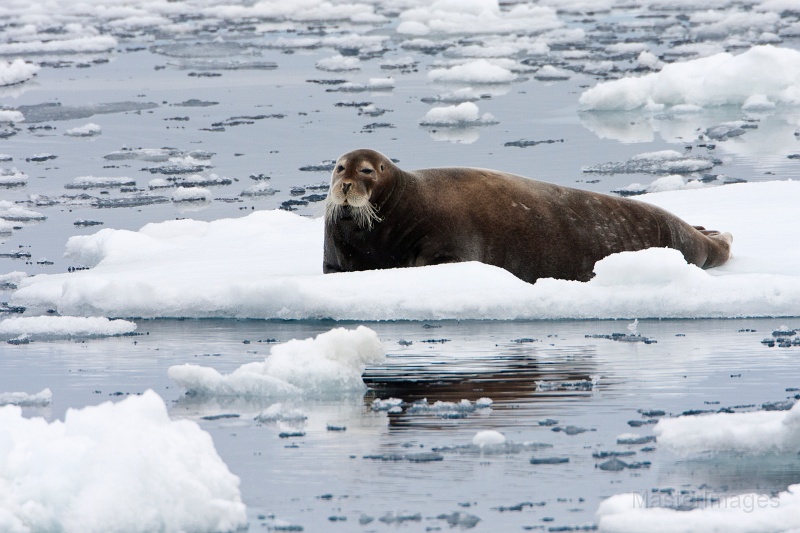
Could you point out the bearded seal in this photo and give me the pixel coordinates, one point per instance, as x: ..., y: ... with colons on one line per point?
x: 380, y: 216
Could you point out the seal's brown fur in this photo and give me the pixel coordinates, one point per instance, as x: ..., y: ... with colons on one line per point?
x: 380, y: 216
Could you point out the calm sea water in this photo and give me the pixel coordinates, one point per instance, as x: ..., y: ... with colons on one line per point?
x: 328, y: 480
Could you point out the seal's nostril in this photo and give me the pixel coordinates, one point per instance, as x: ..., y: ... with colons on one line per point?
x: 346, y: 187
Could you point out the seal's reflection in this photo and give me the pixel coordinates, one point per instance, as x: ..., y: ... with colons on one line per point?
x: 505, y: 378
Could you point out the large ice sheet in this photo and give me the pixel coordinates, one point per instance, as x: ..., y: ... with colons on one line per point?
x: 269, y: 265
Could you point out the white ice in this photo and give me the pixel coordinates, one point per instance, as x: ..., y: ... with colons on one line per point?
x: 743, y: 513
x: 65, y: 325
x: 460, y: 115
x: 12, y: 177
x: 115, y: 467
x: 480, y: 71
x: 17, y: 71
x: 329, y: 364
x: 190, y: 268
x: 191, y: 194
x: 739, y: 434
x: 752, y: 433
x: 488, y: 437
x: 768, y: 72
x: 23, y: 399
x: 87, y: 130
x: 475, y: 16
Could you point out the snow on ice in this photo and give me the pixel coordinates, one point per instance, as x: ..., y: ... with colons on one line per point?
x: 743, y: 513
x: 16, y: 71
x: 23, y: 399
x: 742, y: 434
x: 753, y: 433
x: 329, y: 364
x: 114, y: 467
x: 764, y: 74
x: 188, y: 268
x: 58, y: 326
x: 459, y: 116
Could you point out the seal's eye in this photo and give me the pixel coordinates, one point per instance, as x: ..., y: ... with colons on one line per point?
x: 366, y: 170
x: 339, y: 168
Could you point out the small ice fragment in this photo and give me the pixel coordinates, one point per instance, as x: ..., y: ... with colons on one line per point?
x: 488, y: 437
x: 88, y: 130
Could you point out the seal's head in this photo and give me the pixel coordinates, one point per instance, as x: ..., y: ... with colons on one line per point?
x: 357, y: 178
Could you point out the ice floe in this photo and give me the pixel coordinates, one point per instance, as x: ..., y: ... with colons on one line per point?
x: 460, y: 116
x: 768, y: 72
x: 60, y: 326
x: 191, y: 268
x: 93, y: 182
x: 480, y: 71
x: 476, y: 16
x: 743, y: 513
x: 751, y: 433
x: 23, y: 399
x: 88, y: 130
x: 114, y: 467
x: 12, y: 178
x: 330, y: 364
x: 17, y: 71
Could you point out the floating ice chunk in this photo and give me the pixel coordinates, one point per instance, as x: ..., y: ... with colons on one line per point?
x: 467, y: 94
x: 51, y: 111
x: 95, y: 43
x: 727, y: 130
x: 71, y: 326
x: 719, y: 79
x: 448, y: 409
x: 329, y: 364
x: 387, y: 404
x: 262, y: 188
x: 374, y: 84
x: 662, y: 162
x: 477, y: 16
x: 339, y: 63
x: 381, y: 84
x: 743, y: 513
x: 12, y: 178
x: 721, y: 24
x: 758, y: 102
x: 155, y: 155
x: 412, y: 27
x: 673, y: 182
x: 23, y: 399
x: 88, y: 130
x: 94, y: 182
x: 114, y: 467
x: 277, y: 412
x: 480, y: 71
x: 191, y: 194
x: 649, y: 60
x: 756, y: 432
x: 551, y: 73
x: 461, y: 115
x: 483, y: 403
x: 14, y: 213
x: 10, y: 116
x: 626, y: 49
x: 17, y: 71
x: 488, y: 437
x: 12, y: 279
x: 160, y: 183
